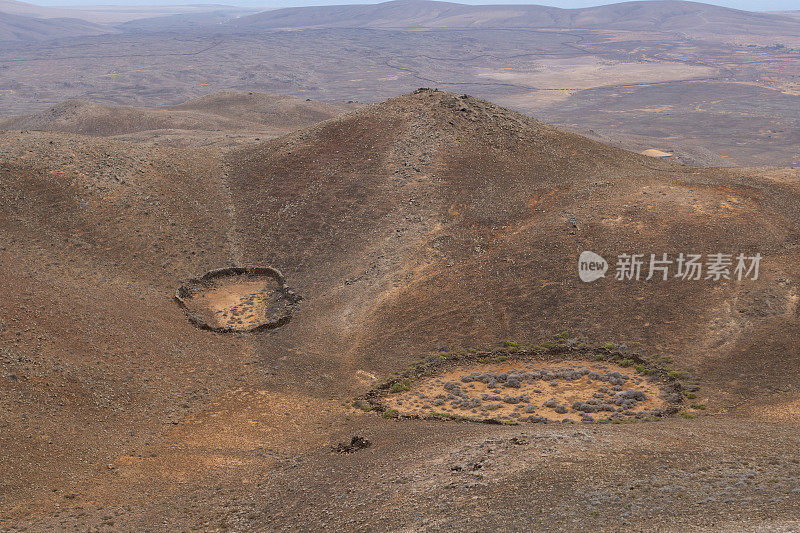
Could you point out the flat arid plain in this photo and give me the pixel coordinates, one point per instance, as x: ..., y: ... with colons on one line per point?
x: 323, y: 268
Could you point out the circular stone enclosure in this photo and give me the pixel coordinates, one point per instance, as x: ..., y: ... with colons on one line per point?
x: 511, y: 390
x: 237, y: 299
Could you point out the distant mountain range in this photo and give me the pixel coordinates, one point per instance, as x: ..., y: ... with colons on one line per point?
x: 667, y: 15
x: 21, y: 21
x: 794, y: 14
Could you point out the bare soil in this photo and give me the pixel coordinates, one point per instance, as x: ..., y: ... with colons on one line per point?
x: 654, y: 152
x: 237, y: 304
x: 237, y: 299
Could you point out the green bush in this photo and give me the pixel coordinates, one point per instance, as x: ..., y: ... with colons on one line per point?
x: 398, y: 386
x: 363, y: 405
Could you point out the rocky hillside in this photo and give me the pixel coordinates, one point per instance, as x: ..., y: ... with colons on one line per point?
x: 432, y: 222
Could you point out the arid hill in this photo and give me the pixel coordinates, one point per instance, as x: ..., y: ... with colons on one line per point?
x: 196, y: 18
x: 662, y: 15
x: 275, y: 110
x: 232, y: 112
x: 432, y: 222
x: 435, y: 205
x: 26, y: 28
x: 32, y: 10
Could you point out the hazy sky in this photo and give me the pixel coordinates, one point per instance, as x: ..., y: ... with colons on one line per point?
x: 752, y: 5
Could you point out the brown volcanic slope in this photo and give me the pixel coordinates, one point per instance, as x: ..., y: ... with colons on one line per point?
x: 226, y: 111
x: 691, y: 17
x: 426, y: 221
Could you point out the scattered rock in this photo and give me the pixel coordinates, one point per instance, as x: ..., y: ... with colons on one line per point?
x: 356, y: 443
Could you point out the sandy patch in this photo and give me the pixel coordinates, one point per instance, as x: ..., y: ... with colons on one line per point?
x: 228, y: 433
x: 589, y: 72
x: 237, y: 299
x: 652, y: 152
x: 235, y: 303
